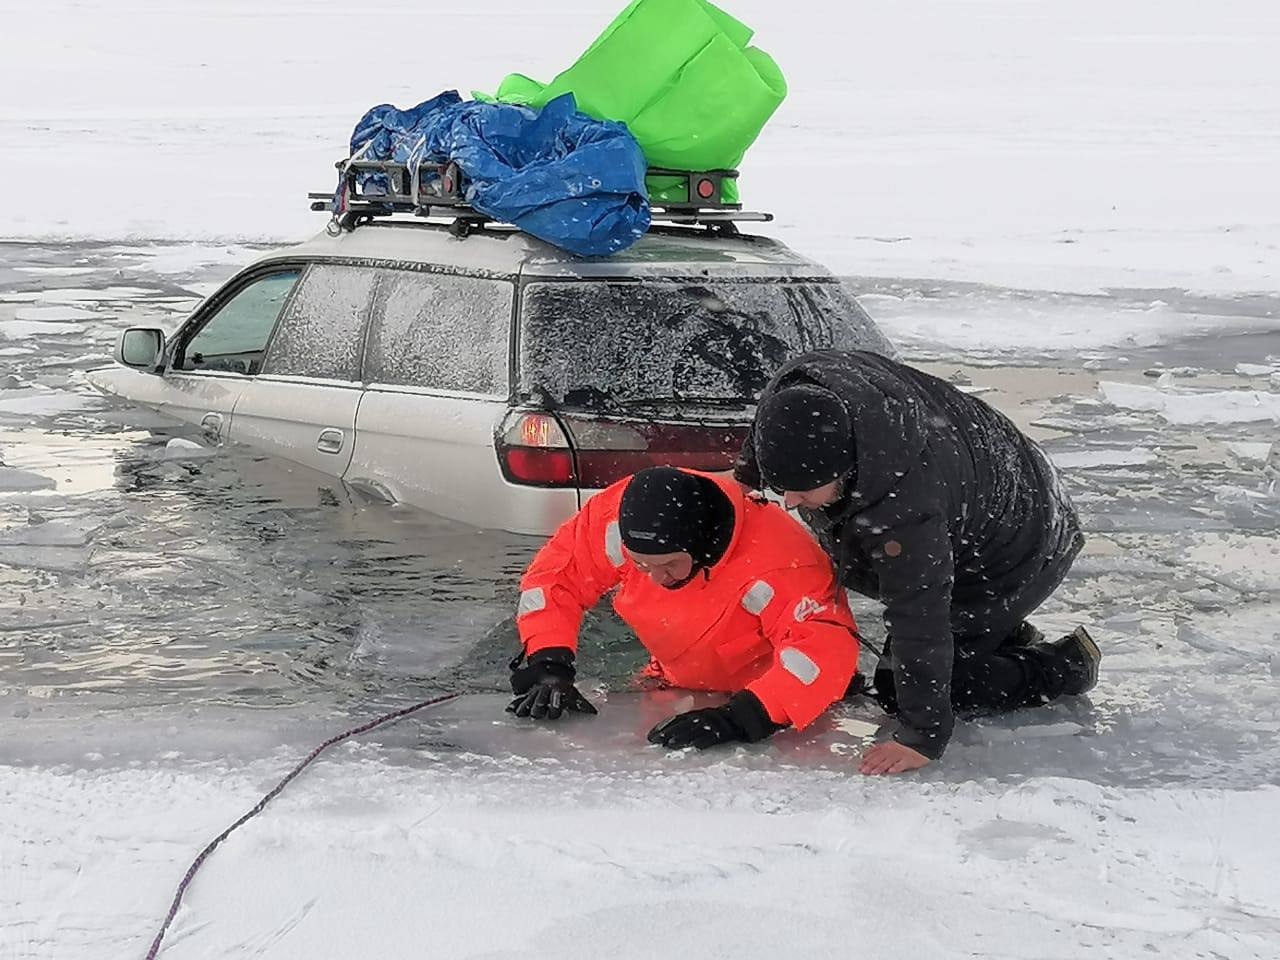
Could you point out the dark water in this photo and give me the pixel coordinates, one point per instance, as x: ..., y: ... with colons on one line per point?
x: 147, y: 570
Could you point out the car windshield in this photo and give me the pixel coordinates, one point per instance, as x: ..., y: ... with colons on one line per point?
x: 603, y: 343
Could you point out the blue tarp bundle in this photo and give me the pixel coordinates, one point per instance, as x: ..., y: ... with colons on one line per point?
x: 557, y: 174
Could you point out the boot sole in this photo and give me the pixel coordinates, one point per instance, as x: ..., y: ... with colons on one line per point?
x: 1091, y: 652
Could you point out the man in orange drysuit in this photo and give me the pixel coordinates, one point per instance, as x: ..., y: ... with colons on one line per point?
x: 726, y: 592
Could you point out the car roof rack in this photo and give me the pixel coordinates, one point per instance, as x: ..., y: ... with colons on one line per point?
x: 437, y: 191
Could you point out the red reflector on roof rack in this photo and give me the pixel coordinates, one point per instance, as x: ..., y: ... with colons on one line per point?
x: 706, y: 188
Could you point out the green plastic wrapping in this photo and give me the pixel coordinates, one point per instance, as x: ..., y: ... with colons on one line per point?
x: 682, y: 76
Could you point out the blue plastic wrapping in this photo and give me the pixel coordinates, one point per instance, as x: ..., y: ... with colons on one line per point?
x: 555, y: 173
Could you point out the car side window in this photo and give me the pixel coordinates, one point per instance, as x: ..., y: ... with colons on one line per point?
x: 441, y: 331
x: 322, y: 330
x: 234, y: 338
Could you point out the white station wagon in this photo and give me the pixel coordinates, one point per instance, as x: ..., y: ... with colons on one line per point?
x: 491, y: 378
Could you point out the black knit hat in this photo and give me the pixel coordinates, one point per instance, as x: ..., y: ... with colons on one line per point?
x: 803, y: 438
x: 664, y: 510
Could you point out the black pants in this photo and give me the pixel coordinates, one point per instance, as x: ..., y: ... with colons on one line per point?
x: 995, y: 668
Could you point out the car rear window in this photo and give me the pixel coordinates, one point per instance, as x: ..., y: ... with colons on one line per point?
x: 592, y: 342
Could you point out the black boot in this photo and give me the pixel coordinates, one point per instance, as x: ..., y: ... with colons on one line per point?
x: 1026, y: 635
x: 1070, y: 664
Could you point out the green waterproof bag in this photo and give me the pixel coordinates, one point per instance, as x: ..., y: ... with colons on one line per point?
x: 682, y: 77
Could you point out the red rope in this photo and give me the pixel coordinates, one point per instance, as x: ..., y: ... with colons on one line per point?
x: 363, y: 728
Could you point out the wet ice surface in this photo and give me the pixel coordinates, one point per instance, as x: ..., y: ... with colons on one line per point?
x: 1117, y: 326
x: 178, y: 624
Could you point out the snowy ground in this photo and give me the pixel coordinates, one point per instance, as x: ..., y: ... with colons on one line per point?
x: 1087, y: 192
x: 472, y: 858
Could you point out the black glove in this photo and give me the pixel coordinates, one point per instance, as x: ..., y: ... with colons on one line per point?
x: 544, y: 686
x: 742, y: 718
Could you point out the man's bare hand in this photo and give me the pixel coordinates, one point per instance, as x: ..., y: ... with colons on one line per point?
x: 891, y: 757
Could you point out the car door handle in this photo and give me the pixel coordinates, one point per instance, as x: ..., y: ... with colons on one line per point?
x: 211, y: 423
x: 330, y: 441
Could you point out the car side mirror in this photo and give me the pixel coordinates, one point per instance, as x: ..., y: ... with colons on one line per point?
x: 141, y: 348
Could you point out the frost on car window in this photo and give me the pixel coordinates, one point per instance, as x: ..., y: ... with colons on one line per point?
x: 440, y: 331
x: 233, y: 339
x: 588, y: 342
x: 321, y: 332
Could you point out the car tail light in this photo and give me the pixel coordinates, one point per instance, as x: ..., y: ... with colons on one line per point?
x: 567, y: 450
x: 605, y: 450
x: 533, y: 451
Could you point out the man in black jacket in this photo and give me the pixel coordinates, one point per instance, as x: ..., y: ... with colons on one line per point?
x: 936, y: 504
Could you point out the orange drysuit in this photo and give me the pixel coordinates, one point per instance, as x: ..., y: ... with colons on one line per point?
x: 768, y: 617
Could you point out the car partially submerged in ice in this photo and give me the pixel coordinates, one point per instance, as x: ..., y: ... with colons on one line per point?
x: 494, y: 379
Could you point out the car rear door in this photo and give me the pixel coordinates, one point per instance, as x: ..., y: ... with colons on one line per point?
x: 437, y: 380
x: 302, y: 406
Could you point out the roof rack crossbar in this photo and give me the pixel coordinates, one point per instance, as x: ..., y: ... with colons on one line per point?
x: 427, y: 189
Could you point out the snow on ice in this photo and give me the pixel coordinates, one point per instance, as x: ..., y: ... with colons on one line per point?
x: 1078, y: 146
x: 1183, y: 406
x: 1120, y: 157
